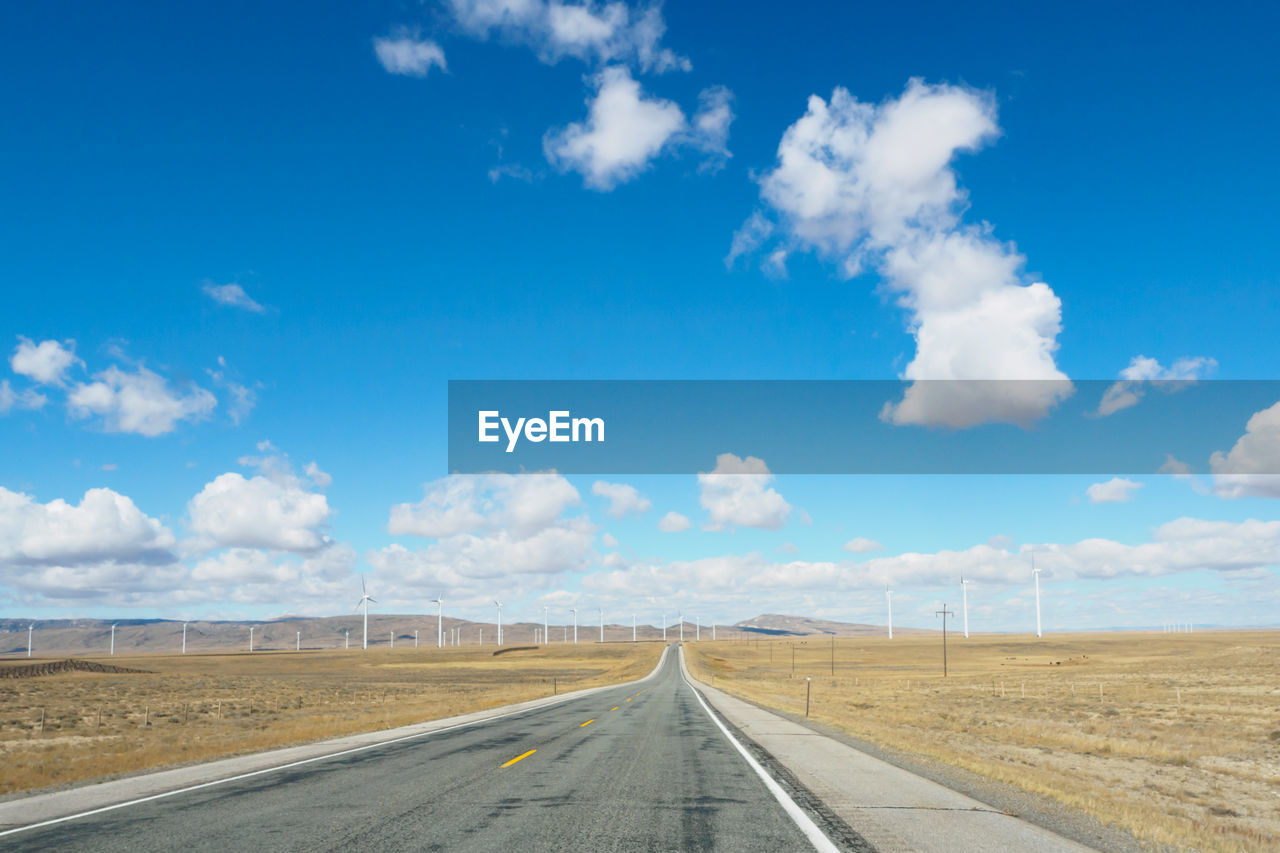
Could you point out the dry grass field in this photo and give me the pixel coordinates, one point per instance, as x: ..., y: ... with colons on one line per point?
x: 202, y: 706
x: 1173, y: 737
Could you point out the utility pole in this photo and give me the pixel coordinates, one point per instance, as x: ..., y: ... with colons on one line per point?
x: 944, y: 613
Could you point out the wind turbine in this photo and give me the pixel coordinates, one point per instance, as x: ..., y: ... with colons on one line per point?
x: 964, y: 594
x: 347, y: 631
x: 1035, y: 573
x: 184, y: 638
x: 888, y: 597
x: 298, y: 643
x: 250, y: 638
x: 681, y: 627
x: 574, y: 611
x: 365, y: 598
x: 439, y: 603
x: 30, y: 628
x: 113, y: 641
x: 499, y: 604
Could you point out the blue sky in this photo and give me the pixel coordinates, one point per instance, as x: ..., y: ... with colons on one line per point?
x: 388, y: 227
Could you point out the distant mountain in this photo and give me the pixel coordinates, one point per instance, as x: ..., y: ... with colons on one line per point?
x: 781, y: 625
x: 92, y: 637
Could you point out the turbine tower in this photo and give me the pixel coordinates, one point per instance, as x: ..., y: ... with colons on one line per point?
x: 439, y: 603
x: 499, y: 605
x: 184, y: 638
x: 30, y: 629
x: 888, y: 598
x: 250, y: 638
x: 365, y: 598
x: 682, y: 627
x: 964, y: 594
x: 574, y: 611
x: 1035, y: 573
x: 113, y: 641
x: 602, y: 624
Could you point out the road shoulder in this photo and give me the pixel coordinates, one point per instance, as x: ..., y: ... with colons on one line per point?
x: 893, y: 808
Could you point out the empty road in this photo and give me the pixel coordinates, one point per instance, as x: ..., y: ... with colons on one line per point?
x: 640, y: 767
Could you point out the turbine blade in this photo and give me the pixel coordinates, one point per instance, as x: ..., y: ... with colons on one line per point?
x: 374, y: 600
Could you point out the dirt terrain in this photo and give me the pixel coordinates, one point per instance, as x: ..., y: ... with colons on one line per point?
x: 1172, y: 737
x: 72, y: 725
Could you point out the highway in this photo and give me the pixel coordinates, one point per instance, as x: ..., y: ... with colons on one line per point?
x: 639, y: 767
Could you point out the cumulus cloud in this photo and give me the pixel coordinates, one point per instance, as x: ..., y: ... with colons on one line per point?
x: 862, y: 545
x: 608, y: 540
x: 673, y: 522
x: 104, y: 527
x: 462, y: 503
x: 622, y: 498
x: 141, y: 402
x: 274, y: 509
x: 46, y: 362
x: 488, y: 526
x: 1143, y: 371
x: 592, y: 32
x: 1249, y: 468
x: 736, y: 493
x: 320, y: 478
x: 233, y: 296
x: 1230, y: 549
x: 1115, y: 490
x: 624, y: 130
x: 28, y: 398
x: 871, y: 187
x: 404, y: 52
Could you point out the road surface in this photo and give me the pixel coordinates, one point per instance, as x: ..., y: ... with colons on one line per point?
x: 639, y: 767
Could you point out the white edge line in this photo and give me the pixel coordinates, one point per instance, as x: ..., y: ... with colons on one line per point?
x: 810, y: 829
x: 52, y: 821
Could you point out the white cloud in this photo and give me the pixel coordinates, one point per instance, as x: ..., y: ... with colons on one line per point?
x: 272, y: 510
x: 320, y: 478
x: 46, y: 362
x: 622, y: 498
x: 592, y: 32
x: 737, y: 493
x: 1248, y: 469
x: 104, y: 527
x: 862, y: 545
x: 673, y: 522
x: 28, y: 398
x: 1141, y: 370
x: 403, y: 52
x: 871, y: 186
x: 710, y: 126
x: 140, y: 402
x: 608, y: 540
x: 243, y: 398
x: 510, y: 170
x: 232, y: 295
x: 521, y: 503
x: 624, y: 130
x: 1115, y: 490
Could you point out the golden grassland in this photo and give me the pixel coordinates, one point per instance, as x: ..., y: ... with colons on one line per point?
x: 1172, y: 737
x: 198, y: 707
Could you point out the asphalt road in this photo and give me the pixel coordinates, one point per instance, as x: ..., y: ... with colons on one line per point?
x: 630, y: 768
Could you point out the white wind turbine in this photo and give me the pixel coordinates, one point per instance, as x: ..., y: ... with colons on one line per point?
x: 30, y: 629
x: 499, y: 605
x: 365, y: 598
x: 964, y: 593
x: 438, y: 601
x: 574, y: 611
x: 113, y: 640
x: 1035, y: 573
x: 888, y: 598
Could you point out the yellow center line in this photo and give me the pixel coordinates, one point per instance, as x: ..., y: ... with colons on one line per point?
x: 519, y: 758
x: 588, y: 722
x: 614, y: 708
x: 628, y: 700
